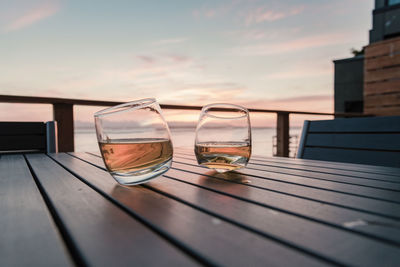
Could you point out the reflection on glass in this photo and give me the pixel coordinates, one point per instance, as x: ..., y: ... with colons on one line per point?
x: 134, y: 141
x: 223, y: 138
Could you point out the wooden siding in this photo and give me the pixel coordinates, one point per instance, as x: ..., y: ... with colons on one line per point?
x: 382, y: 78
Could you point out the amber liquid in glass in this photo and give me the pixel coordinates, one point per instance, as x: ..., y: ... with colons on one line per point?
x: 126, y: 156
x: 223, y: 156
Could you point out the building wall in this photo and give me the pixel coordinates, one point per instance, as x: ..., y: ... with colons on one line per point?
x: 349, y: 82
x: 382, y: 78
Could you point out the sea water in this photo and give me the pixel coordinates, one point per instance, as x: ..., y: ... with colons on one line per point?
x: 262, y: 139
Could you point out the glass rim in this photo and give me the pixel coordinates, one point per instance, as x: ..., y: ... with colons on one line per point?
x: 234, y: 108
x: 133, y: 105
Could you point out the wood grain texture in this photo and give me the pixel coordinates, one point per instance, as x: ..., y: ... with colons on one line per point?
x: 383, y: 100
x: 364, y: 174
x: 321, y: 172
x: 313, y: 210
x: 382, y: 61
x: 382, y: 78
x: 316, y: 237
x: 382, y: 74
x: 319, y: 181
x: 382, y: 48
x: 298, y: 189
x: 239, y: 187
x: 380, y: 172
x: 104, y: 234
x: 222, y: 242
x: 377, y: 171
x: 29, y: 236
x: 383, y: 111
x: 381, y: 88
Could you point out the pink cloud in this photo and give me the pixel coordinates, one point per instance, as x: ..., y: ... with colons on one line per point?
x: 301, y: 72
x: 203, y: 93
x: 146, y: 59
x: 266, y: 34
x: 32, y: 16
x: 179, y: 58
x: 294, y: 45
x: 317, y: 103
x: 207, y: 12
x: 262, y: 14
x: 212, y: 12
x: 169, y: 41
x: 163, y: 59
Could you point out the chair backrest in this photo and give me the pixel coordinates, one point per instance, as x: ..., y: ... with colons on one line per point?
x: 28, y: 136
x: 370, y: 140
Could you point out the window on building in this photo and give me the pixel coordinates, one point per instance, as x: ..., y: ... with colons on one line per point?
x: 393, y: 2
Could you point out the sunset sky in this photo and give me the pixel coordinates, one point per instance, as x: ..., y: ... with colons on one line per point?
x: 260, y: 54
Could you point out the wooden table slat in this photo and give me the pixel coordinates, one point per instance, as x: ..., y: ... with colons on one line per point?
x: 317, y: 237
x: 391, y: 171
x: 104, y: 234
x: 304, y: 181
x: 364, y: 204
x: 355, y: 174
x: 274, y: 212
x: 230, y: 246
x: 373, y: 169
x: 339, y: 171
x: 205, y: 173
x: 311, y: 177
x: 29, y: 236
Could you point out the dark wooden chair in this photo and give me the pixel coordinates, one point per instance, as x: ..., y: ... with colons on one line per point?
x: 28, y: 136
x: 370, y: 140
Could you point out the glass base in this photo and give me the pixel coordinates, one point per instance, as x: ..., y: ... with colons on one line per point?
x: 142, y: 176
x: 221, y: 167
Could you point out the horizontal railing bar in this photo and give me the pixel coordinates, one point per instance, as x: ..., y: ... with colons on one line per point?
x: 83, y: 102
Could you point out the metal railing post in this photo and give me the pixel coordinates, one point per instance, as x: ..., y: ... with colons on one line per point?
x: 64, y: 115
x: 282, y: 134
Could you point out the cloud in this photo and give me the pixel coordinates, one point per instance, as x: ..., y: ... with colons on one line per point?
x: 31, y: 16
x: 170, y: 41
x: 272, y: 34
x: 293, y: 45
x: 146, y: 59
x: 203, y: 93
x: 317, y: 103
x: 262, y: 14
x: 210, y: 12
x: 249, y: 13
x: 300, y: 72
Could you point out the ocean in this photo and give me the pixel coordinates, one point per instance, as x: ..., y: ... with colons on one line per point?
x: 262, y: 140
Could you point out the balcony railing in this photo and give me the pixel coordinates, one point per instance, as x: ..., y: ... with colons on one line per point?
x: 64, y: 115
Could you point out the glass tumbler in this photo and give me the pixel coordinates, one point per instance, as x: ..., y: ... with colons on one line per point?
x: 134, y: 141
x: 223, y: 137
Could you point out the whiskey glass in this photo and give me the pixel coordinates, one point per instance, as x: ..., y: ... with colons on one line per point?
x: 134, y: 141
x: 223, y: 137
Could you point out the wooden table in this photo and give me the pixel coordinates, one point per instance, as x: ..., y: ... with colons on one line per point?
x: 65, y: 209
